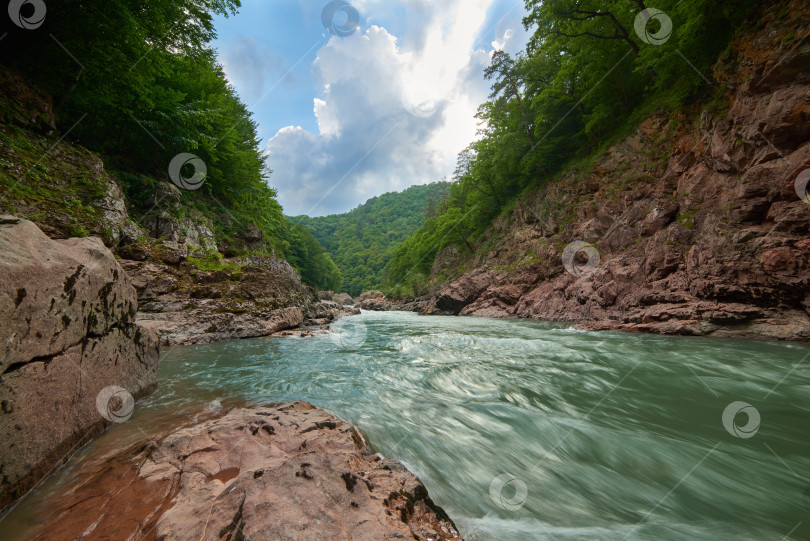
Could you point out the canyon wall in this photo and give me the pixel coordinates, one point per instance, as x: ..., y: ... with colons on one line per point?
x: 692, y: 225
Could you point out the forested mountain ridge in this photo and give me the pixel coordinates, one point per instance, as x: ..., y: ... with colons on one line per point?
x: 362, y: 241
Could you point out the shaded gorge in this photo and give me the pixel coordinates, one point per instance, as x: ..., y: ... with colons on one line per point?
x: 527, y: 430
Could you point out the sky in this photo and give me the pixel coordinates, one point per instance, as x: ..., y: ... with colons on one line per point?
x: 383, y: 101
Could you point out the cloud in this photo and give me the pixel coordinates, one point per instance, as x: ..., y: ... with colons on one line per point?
x: 500, y: 43
x: 249, y: 65
x: 389, y: 116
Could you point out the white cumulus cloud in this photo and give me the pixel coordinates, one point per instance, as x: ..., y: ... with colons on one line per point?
x: 389, y: 114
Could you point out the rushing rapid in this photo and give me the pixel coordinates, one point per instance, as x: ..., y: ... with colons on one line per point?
x: 527, y: 430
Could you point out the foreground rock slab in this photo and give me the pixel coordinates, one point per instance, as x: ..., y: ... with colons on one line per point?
x: 70, y: 351
x: 268, y: 472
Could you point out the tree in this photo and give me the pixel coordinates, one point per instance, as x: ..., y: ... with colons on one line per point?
x: 502, y: 69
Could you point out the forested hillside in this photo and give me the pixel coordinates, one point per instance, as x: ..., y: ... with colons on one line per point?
x: 139, y: 85
x: 591, y: 72
x: 361, y: 242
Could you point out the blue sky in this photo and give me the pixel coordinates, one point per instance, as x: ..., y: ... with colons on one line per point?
x: 389, y: 106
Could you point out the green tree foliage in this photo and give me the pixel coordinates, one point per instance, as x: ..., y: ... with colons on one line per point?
x: 310, y: 258
x: 362, y: 241
x: 585, y: 76
x: 138, y: 82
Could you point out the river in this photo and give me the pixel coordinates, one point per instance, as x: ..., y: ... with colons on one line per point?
x: 529, y: 430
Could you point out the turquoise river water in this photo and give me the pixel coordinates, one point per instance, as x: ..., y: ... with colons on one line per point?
x: 529, y: 430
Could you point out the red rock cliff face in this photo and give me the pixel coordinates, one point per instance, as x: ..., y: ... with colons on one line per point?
x: 696, y: 220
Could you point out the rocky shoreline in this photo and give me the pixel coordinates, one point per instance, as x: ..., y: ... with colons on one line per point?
x: 81, y: 346
x: 260, y: 296
x: 280, y: 471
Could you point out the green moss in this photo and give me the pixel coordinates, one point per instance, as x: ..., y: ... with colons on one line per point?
x: 213, y: 261
x: 79, y: 231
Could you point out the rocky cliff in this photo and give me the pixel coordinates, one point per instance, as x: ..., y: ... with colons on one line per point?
x: 72, y: 358
x: 692, y: 225
x: 201, y: 275
x: 254, y: 296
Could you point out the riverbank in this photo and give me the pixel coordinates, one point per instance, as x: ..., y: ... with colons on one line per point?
x: 612, y: 435
x: 280, y: 471
x: 79, y: 350
x: 257, y: 295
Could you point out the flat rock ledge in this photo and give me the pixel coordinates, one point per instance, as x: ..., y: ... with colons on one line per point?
x: 278, y: 472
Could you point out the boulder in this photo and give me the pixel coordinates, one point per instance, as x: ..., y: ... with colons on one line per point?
x: 322, y: 313
x: 463, y: 291
x: 326, y: 295
x: 343, y: 298
x: 376, y: 305
x: 257, y: 295
x: 164, y: 195
x: 370, y: 295
x: 282, y: 472
x: 68, y: 337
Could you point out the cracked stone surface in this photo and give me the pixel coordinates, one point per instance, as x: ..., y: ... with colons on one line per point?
x: 264, y: 472
x: 68, y: 331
